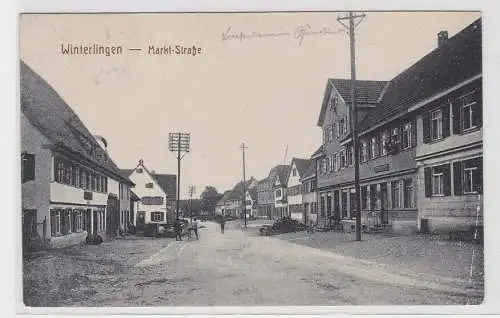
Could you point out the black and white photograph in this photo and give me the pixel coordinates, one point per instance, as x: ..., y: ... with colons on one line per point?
x: 208, y: 159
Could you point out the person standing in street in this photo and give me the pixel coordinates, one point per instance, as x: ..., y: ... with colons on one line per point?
x: 222, y: 223
x: 195, y: 227
x: 178, y: 231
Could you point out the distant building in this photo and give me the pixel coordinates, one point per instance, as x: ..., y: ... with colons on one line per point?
x: 309, y: 192
x: 70, y: 185
x: 298, y: 168
x: 265, y: 198
x: 278, y: 177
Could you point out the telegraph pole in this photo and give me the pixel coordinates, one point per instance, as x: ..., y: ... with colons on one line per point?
x: 243, y: 147
x: 354, y: 122
x: 191, y: 192
x: 178, y: 143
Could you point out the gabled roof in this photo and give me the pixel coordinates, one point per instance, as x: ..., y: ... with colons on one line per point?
x: 310, y: 172
x: 224, y: 198
x: 367, y: 92
x: 302, y: 165
x: 459, y: 59
x: 168, y: 183
x: 281, y: 171
x: 237, y: 192
x: 266, y: 179
x: 55, y: 119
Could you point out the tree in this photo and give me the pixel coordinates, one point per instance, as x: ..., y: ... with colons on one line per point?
x: 209, y: 198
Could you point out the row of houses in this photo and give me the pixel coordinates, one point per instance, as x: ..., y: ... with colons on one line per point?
x: 71, y: 188
x: 420, y: 149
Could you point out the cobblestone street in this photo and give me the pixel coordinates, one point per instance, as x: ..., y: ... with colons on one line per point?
x: 231, y: 269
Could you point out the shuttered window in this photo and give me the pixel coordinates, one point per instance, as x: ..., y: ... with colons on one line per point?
x: 468, y: 176
x: 438, y: 181
x: 28, y: 167
x: 467, y: 112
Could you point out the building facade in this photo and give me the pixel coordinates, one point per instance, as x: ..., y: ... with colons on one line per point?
x: 70, y: 186
x: 155, y: 192
x: 298, y: 169
x: 309, y: 194
x: 265, y: 198
x: 278, y: 177
x: 420, y: 143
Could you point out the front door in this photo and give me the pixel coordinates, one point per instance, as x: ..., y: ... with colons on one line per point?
x: 112, y: 216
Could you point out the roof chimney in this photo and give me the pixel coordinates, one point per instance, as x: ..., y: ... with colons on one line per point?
x: 442, y: 38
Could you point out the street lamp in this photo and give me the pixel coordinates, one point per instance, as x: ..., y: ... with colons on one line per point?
x: 178, y: 143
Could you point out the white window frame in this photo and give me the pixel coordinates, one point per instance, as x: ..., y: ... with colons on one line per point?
x: 437, y: 119
x: 410, y: 204
x: 154, y: 218
x: 406, y: 136
x: 343, y: 163
x: 385, y: 139
x: 364, y: 151
x: 471, y: 171
x: 470, y: 106
x: 440, y: 175
x: 398, y: 197
x: 58, y: 222
x: 334, y: 162
x: 373, y: 144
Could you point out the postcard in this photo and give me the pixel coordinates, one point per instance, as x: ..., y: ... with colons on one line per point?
x: 251, y: 159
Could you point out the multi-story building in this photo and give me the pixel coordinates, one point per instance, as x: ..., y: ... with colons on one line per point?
x: 155, y: 191
x: 265, y: 198
x: 309, y: 193
x: 397, y: 122
x: 278, y: 177
x: 70, y: 185
x: 233, y: 203
x: 298, y: 168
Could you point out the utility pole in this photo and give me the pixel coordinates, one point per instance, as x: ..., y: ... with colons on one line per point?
x: 243, y: 147
x: 354, y: 122
x: 178, y: 143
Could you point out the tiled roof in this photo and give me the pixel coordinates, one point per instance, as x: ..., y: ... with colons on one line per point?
x: 281, y: 171
x: 224, y: 198
x: 168, y: 183
x: 237, y: 192
x: 126, y: 172
x: 55, y: 119
x: 302, y: 165
x: 311, y: 171
x: 449, y: 64
x: 367, y: 92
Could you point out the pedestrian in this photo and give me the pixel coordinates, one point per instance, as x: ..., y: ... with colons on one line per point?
x: 222, y: 223
x: 195, y: 227
x: 311, y: 226
x: 178, y: 231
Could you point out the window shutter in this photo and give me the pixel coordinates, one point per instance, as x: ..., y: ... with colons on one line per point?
x: 457, y: 177
x: 414, y: 132
x: 478, y: 110
x: 447, y: 180
x: 428, y: 182
x: 456, y: 117
x: 427, y: 127
x: 446, y: 120
x: 478, y: 177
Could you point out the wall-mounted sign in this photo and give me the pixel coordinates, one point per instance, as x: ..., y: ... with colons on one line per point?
x: 381, y: 168
x: 152, y: 200
x: 87, y: 195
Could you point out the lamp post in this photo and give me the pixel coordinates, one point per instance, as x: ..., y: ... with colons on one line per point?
x: 178, y: 143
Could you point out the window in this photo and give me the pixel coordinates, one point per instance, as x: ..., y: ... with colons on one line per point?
x: 138, y: 170
x: 437, y: 124
x: 55, y: 222
x: 349, y: 155
x: 364, y: 151
x: 59, y: 163
x: 468, y: 176
x: 330, y: 132
x: 385, y: 141
x: 294, y: 172
x: 28, y: 167
x: 77, y: 221
x: 329, y: 164
x: 322, y: 204
x: 395, y: 135
x: 67, y: 173
x: 469, y: 118
x: 375, y: 147
x: 98, y: 183
x: 342, y: 159
x: 152, y: 200
x: 313, y: 185
x: 342, y: 127
x: 328, y: 204
x: 157, y: 217
x: 406, y: 142
x: 395, y: 194
x: 408, y: 193
x: 278, y: 193
x: 334, y: 162
x: 437, y: 181
x: 149, y: 185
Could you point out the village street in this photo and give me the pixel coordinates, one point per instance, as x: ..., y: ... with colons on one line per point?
x: 231, y: 269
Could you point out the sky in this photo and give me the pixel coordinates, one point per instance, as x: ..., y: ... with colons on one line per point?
x: 263, y: 91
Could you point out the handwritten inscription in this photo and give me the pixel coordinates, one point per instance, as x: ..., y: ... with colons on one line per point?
x: 299, y: 34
